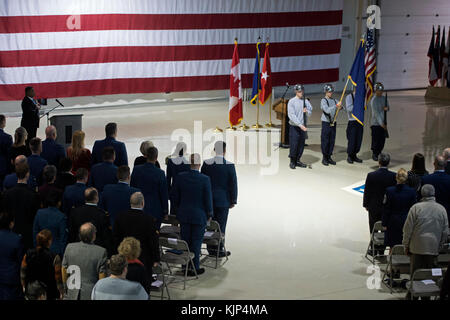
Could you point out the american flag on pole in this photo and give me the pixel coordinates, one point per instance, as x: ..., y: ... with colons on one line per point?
x: 84, y: 47
x: 370, y: 63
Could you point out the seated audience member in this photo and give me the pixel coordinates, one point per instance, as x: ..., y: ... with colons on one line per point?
x: 224, y: 189
x: 49, y: 176
x: 105, y: 172
x: 397, y: 202
x: 23, y: 203
x: 425, y: 230
x: 89, y: 259
x: 130, y: 248
x: 447, y: 158
x: 116, y: 197
x: 73, y: 196
x: 89, y: 212
x: 65, y: 177
x: 374, y: 191
x: 40, y: 264
x: 135, y: 223
x: 110, y: 141
x: 11, y: 253
x: 192, y: 198
x: 11, y: 179
x: 441, y: 183
x: 19, y: 147
x: 35, y: 161
x: 116, y: 286
x: 175, y: 164
x: 80, y: 156
x: 152, y: 182
x: 51, y: 151
x: 417, y: 172
x: 5, y: 146
x: 143, y: 159
x: 36, y: 290
x: 54, y: 220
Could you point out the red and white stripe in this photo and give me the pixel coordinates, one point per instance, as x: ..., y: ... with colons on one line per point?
x: 370, y: 64
x: 145, y: 46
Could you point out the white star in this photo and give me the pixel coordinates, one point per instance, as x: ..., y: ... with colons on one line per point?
x: 264, y: 76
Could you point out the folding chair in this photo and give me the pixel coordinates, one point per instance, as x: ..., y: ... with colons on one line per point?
x: 418, y: 288
x: 185, y: 257
x: 160, y: 272
x: 214, y: 237
x: 171, y: 228
x: 398, y: 261
x: 376, y: 239
x: 444, y: 255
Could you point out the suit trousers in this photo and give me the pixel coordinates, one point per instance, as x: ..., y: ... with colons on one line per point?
x: 354, y: 138
x: 296, y: 143
x: 193, y: 234
x: 327, y: 139
x: 221, y: 216
x: 378, y: 139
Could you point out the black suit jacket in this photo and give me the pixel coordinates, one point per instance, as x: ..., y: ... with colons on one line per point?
x: 375, y: 188
x: 30, y: 114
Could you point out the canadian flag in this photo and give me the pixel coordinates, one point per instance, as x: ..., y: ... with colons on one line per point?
x: 235, y: 106
x: 266, y: 78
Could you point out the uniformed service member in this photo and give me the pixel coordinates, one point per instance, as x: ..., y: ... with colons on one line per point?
x: 329, y: 108
x: 298, y: 109
x: 378, y: 105
x: 354, y: 130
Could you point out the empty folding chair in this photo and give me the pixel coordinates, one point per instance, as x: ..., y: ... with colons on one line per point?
x: 170, y: 228
x: 398, y: 262
x: 424, y: 284
x: 376, y: 239
x: 214, y: 237
x: 160, y: 272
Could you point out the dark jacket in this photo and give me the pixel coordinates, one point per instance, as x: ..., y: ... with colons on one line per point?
x: 102, y: 174
x: 192, y: 198
x: 116, y: 199
x: 119, y: 148
x: 30, y: 114
x: 55, y: 221
x: 223, y: 181
x: 37, y: 164
x: 11, y: 180
x: 375, y: 188
x: 143, y: 160
x: 174, y: 167
x: 5, y: 146
x: 11, y: 255
x: 138, y: 272
x: 73, y: 197
x: 64, y: 179
x: 441, y: 183
x: 52, y: 152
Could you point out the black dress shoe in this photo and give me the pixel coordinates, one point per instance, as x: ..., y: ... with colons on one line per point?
x: 325, y: 162
x: 300, y: 164
x: 306, y: 145
x: 331, y: 161
x: 349, y: 160
x: 374, y: 157
x: 292, y: 165
x: 224, y: 254
x: 191, y: 273
x: 356, y: 159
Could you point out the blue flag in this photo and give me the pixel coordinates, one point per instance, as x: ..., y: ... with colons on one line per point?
x: 358, y: 77
x: 256, y: 79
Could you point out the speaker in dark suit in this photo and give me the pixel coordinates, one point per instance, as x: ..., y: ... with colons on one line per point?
x: 30, y: 113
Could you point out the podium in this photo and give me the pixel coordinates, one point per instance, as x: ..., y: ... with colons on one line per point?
x: 280, y: 108
x: 66, y: 125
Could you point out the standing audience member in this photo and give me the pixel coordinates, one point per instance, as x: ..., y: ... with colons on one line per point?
x: 224, y: 189
x: 447, y: 158
x: 11, y: 179
x: 30, y: 113
x: 441, y: 183
x: 35, y: 161
x: 397, y: 202
x: 65, y: 176
x: 379, y: 105
x: 23, y: 203
x: 105, y: 172
x: 80, y: 156
x: 54, y: 220
x: 143, y: 159
x: 417, y: 172
x: 135, y: 223
x: 49, y: 175
x: 176, y: 164
x: 51, y: 151
x: 11, y: 253
x: 40, y: 264
x: 130, y: 248
x: 425, y: 230
x: 116, y: 286
x: 88, y: 260
x: 374, y: 191
x: 192, y: 198
x: 5, y: 146
x: 116, y: 197
x: 74, y: 195
x: 19, y: 146
x: 110, y: 141
x: 152, y: 182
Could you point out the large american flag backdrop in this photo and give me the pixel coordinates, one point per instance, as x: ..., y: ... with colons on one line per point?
x: 83, y: 47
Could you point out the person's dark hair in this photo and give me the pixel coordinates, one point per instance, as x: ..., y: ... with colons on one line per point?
x: 35, y: 143
x: 220, y: 147
x: 2, y: 118
x: 49, y: 173
x: 81, y: 174
x: 418, y: 164
x: 152, y: 153
x: 123, y: 172
x: 111, y: 129
x: 87, y: 233
x: 43, y: 239
x: 35, y: 290
x: 27, y: 89
x: 21, y: 170
x: 5, y: 220
x: 91, y: 194
x: 65, y: 164
x: 384, y: 159
x: 52, y: 199
x: 117, y: 264
x: 108, y: 153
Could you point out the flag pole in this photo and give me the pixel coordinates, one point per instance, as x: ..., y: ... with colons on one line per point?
x: 270, y: 124
x: 244, y: 127
x: 257, y: 125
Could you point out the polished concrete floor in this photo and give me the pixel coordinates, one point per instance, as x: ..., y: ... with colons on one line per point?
x: 294, y: 234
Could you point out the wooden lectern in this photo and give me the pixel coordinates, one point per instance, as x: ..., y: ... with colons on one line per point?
x: 280, y: 108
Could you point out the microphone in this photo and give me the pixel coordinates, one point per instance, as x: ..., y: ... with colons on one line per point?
x: 59, y: 102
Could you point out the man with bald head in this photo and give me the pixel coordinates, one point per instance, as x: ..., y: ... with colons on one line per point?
x: 447, y: 158
x: 441, y: 182
x: 51, y: 151
x: 11, y: 179
x: 135, y: 223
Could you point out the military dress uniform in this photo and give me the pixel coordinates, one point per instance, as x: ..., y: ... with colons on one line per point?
x: 354, y: 131
x: 377, y: 105
x: 328, y: 134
